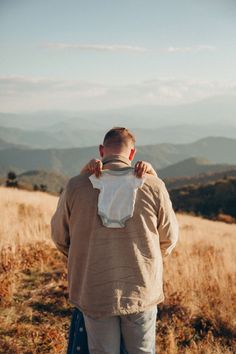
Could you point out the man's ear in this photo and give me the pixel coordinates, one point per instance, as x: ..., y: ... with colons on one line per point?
x: 101, y: 150
x: 132, y: 153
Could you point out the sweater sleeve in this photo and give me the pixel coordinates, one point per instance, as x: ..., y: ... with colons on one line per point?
x: 168, y: 228
x: 60, y: 224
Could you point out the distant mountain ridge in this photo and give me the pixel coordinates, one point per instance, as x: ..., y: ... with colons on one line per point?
x: 6, y: 145
x: 70, y: 161
x: 72, y: 137
x: 216, y: 149
x: 193, y: 166
x: 152, y: 124
x: 217, y: 109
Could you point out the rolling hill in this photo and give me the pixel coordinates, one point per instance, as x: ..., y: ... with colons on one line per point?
x: 198, y: 180
x: 34, y: 179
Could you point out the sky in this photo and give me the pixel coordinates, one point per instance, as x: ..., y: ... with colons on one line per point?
x: 91, y: 55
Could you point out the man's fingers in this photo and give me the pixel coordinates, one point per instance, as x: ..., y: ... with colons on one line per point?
x: 95, y: 166
x: 140, y: 168
x: 98, y: 168
x: 137, y: 166
x: 142, y: 171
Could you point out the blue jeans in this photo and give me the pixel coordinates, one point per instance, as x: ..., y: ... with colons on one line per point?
x: 138, y: 333
x: 78, y: 341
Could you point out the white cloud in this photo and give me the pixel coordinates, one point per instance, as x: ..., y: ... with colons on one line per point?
x: 126, y: 48
x: 195, y: 48
x: 19, y: 93
x: 96, y: 47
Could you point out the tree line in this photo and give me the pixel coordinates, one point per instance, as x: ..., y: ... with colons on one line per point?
x: 12, y: 182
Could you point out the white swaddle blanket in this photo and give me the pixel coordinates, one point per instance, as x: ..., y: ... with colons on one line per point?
x: 117, y: 196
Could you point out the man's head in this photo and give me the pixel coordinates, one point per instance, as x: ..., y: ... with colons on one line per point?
x: 119, y: 141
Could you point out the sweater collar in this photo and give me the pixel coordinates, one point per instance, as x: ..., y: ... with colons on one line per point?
x: 117, y: 159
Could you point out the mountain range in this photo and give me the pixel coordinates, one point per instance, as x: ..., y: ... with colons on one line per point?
x: 151, y: 124
x: 71, y: 137
x: 69, y: 161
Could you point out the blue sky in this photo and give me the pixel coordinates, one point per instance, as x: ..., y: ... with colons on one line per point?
x: 97, y: 54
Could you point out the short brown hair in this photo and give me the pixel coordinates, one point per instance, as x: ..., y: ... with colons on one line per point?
x: 118, y: 136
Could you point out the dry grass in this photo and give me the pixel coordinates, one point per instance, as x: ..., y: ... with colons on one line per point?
x: 198, y: 315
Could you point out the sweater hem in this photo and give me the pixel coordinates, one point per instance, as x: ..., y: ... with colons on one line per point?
x: 115, y: 312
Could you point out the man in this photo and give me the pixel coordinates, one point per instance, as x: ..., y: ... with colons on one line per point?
x: 115, y: 266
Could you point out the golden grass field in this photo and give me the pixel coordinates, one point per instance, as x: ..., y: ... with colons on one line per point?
x: 199, y: 312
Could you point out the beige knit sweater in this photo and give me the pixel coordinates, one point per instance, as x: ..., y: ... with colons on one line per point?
x: 114, y: 271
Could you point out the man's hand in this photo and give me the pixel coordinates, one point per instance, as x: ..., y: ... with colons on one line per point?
x: 93, y: 166
x: 142, y: 167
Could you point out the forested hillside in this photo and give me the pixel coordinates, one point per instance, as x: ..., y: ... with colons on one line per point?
x: 212, y: 200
